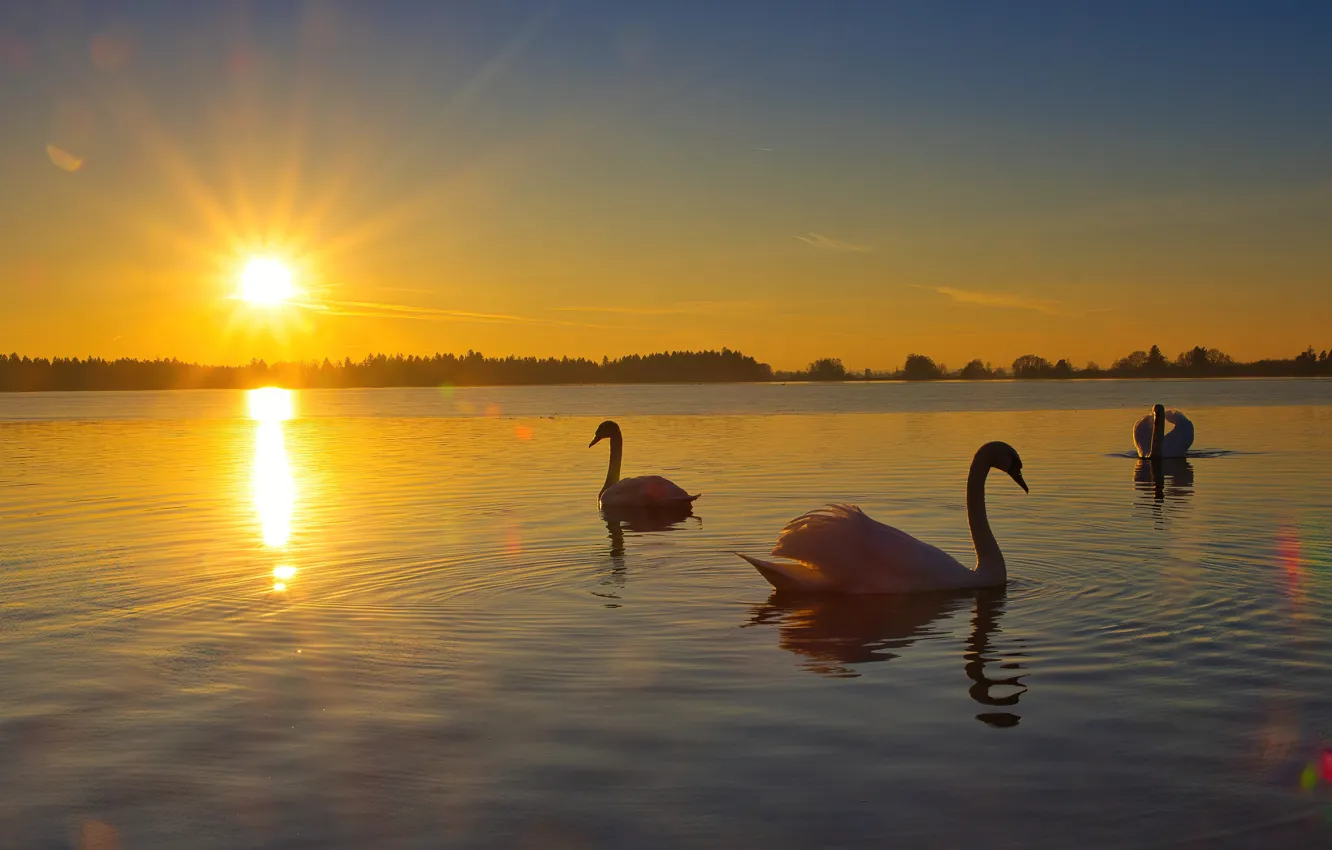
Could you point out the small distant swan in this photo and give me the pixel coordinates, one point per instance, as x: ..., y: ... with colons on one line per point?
x: 838, y: 549
x: 1151, y: 440
x: 644, y: 491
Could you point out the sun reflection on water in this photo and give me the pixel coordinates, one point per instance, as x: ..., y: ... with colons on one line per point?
x: 274, y: 485
x: 271, y: 404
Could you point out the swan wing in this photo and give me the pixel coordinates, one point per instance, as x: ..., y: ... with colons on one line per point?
x: 1142, y: 436
x: 645, y: 491
x: 790, y: 576
x: 856, y: 554
x: 1180, y: 438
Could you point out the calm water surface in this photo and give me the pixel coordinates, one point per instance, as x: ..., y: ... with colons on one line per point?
x: 395, y: 618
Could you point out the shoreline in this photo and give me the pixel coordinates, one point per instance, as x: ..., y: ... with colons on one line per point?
x: 680, y: 383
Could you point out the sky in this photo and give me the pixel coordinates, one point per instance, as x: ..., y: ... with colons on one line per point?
x: 585, y: 177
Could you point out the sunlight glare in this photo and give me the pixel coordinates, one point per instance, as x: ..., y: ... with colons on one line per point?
x: 274, y: 486
x: 270, y: 404
x: 266, y: 282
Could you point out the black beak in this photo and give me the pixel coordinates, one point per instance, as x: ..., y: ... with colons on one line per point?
x: 595, y: 440
x: 1017, y: 476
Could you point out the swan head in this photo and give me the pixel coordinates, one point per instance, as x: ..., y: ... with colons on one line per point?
x: 1004, y: 457
x: 1158, y: 411
x: 607, y: 430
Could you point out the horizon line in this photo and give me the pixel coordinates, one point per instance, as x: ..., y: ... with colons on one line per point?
x: 340, y: 361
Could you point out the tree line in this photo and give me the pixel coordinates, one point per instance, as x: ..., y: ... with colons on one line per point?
x: 1197, y: 362
x: 26, y: 374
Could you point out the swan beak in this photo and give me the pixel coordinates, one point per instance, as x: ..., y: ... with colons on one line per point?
x: 1017, y: 476
x: 595, y: 440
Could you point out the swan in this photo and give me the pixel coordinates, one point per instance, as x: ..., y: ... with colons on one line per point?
x: 644, y: 491
x: 1151, y: 440
x: 838, y: 549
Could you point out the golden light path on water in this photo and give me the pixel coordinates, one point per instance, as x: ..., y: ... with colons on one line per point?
x: 274, y: 485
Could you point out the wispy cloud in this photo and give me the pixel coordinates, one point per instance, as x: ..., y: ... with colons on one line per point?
x: 413, y: 290
x: 378, y: 310
x: 995, y: 299
x: 681, y: 308
x: 507, y: 56
x: 406, y: 311
x: 818, y: 240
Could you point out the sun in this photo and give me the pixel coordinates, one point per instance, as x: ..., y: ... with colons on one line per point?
x: 266, y: 282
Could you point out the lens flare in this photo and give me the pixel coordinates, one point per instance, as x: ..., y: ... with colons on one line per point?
x: 1308, y: 778
x: 1292, y: 562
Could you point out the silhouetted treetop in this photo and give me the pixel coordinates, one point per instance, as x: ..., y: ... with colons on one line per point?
x: 1031, y: 366
x: 921, y: 368
x: 827, y: 369
x: 976, y: 370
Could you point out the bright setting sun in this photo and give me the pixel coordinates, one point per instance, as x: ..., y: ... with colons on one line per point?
x: 266, y: 282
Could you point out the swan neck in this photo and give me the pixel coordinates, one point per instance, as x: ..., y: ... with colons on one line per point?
x: 990, y: 568
x: 1158, y: 437
x: 616, y: 455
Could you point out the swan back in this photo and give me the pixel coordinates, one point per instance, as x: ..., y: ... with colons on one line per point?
x: 857, y: 554
x: 645, y: 491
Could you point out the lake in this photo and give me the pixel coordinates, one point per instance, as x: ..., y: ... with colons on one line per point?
x: 396, y: 619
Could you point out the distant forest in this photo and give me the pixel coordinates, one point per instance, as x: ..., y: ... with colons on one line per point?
x: 23, y: 374
x: 1195, y: 363
x: 26, y: 374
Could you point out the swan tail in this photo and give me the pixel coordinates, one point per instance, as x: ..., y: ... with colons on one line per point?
x: 787, y: 576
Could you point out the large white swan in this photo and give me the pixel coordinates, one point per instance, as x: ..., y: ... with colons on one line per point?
x: 644, y: 491
x: 838, y: 549
x: 1151, y: 439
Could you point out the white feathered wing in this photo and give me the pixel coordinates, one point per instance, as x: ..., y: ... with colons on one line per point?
x: 839, y: 548
x: 1177, y: 440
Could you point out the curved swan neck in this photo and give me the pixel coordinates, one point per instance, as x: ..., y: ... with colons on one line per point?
x: 990, y: 565
x: 616, y: 455
x: 1158, y: 435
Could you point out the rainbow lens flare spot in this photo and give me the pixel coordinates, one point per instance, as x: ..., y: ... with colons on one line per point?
x: 1308, y: 778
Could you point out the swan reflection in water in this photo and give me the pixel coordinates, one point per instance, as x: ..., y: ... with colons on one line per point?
x: 636, y: 521
x: 836, y: 633
x: 1166, y: 477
